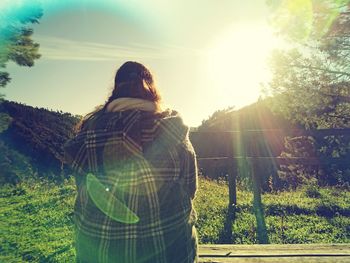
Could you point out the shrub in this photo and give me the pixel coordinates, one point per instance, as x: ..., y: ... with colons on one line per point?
x: 312, y: 191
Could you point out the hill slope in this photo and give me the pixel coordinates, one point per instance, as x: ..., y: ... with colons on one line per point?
x: 32, y: 144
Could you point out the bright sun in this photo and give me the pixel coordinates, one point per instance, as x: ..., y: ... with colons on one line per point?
x: 236, y: 64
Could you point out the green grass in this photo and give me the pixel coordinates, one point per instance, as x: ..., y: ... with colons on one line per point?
x: 36, y: 218
x: 36, y: 222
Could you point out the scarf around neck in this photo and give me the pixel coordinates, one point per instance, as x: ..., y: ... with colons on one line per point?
x: 123, y: 104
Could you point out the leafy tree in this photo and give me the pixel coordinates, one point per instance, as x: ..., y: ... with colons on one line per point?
x: 312, y: 77
x: 16, y: 42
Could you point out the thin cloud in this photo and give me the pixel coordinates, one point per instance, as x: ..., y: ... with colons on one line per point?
x: 54, y: 48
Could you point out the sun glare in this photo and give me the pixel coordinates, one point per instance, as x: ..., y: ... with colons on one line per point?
x: 236, y: 64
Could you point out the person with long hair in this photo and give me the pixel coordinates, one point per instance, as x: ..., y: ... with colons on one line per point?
x: 136, y: 176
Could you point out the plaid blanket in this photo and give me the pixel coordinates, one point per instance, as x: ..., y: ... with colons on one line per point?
x: 136, y: 175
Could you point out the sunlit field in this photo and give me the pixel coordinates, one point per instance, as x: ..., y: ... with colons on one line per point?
x: 36, y: 218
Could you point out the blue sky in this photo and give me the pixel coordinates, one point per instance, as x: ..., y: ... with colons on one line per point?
x: 206, y: 55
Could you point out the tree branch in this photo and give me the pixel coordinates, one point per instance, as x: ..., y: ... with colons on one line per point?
x: 342, y: 73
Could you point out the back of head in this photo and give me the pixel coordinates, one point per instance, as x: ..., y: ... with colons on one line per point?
x: 134, y: 80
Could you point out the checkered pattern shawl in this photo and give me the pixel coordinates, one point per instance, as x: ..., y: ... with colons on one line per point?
x: 143, y: 164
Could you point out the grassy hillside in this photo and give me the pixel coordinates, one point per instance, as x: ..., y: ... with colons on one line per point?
x: 32, y: 145
x: 36, y: 218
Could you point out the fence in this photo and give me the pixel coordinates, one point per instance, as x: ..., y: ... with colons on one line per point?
x: 251, y: 149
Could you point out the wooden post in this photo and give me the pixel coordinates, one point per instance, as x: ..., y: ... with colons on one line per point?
x: 256, y: 182
x: 232, y: 174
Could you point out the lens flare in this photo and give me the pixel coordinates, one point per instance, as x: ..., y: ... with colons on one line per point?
x: 108, y: 203
x: 305, y: 19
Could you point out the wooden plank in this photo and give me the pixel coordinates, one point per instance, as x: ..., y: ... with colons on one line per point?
x: 331, y: 259
x: 275, y: 253
x: 273, y: 249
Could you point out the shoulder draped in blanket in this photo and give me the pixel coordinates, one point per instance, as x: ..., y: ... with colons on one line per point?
x: 136, y: 176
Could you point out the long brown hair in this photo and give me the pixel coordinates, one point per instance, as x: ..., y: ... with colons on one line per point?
x: 132, y: 80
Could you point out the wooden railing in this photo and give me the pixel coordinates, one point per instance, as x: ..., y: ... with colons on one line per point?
x: 301, y: 253
x: 254, y: 148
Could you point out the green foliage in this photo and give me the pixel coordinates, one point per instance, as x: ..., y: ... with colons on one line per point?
x: 311, y: 78
x: 337, y: 147
x: 5, y: 121
x: 333, y: 153
x: 298, y: 174
x: 305, y: 20
x: 4, y: 78
x: 311, y: 84
x: 244, y: 229
x: 14, y: 167
x: 312, y: 191
x: 219, y: 120
x: 255, y: 116
x: 16, y: 42
x: 310, y: 89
